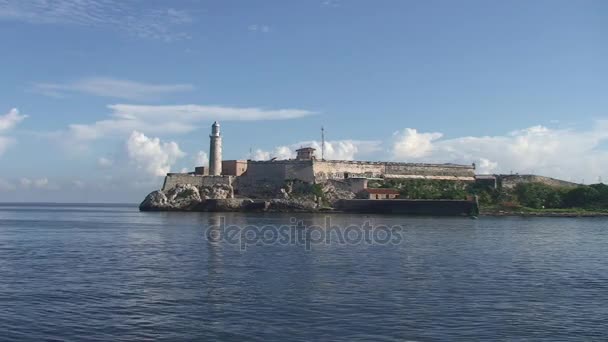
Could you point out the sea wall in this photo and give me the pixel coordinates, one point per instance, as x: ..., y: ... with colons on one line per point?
x: 410, y: 207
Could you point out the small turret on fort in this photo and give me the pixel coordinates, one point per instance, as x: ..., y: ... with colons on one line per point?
x: 215, y: 151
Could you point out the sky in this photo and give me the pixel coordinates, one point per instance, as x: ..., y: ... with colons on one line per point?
x: 99, y: 99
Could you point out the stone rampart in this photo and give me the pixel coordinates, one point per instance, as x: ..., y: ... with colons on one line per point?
x: 340, y: 169
x: 430, y: 171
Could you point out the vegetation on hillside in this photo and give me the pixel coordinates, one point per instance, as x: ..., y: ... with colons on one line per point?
x: 524, y: 196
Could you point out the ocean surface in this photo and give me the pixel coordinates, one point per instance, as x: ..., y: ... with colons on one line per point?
x: 111, y: 273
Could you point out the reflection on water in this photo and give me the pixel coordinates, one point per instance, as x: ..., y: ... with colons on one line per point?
x: 112, y: 273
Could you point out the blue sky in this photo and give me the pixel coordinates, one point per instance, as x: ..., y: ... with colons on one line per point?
x: 99, y: 98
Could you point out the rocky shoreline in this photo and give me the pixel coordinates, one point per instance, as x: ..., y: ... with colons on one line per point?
x: 220, y: 198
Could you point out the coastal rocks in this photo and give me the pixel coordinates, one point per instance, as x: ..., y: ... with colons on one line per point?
x: 289, y: 205
x: 334, y: 193
x: 184, y: 197
x: 218, y: 191
x: 181, y: 197
x: 228, y: 204
x: 156, y: 200
x: 293, y: 196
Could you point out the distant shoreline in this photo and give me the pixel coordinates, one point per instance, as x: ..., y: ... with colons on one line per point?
x: 547, y: 213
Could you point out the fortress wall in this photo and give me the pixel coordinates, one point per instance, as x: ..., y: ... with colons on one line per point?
x: 300, y: 170
x: 279, y: 171
x: 430, y: 171
x: 335, y: 169
x: 264, y: 172
x: 265, y: 178
x: 173, y: 179
x: 213, y: 180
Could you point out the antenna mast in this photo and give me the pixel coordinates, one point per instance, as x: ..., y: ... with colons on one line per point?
x: 322, y: 143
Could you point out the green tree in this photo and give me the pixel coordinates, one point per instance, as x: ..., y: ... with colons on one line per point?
x: 538, y: 195
x: 582, y: 196
x: 602, y: 198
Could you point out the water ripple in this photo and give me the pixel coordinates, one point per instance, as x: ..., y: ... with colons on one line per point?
x: 112, y: 273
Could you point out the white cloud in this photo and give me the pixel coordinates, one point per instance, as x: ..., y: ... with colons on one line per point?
x: 561, y: 153
x: 335, y: 150
x: 5, y: 143
x: 104, y: 162
x: 259, y: 154
x: 10, y: 119
x: 330, y: 3
x: 259, y: 28
x: 111, y: 87
x: 78, y: 184
x: 280, y: 152
x: 201, y: 159
x: 175, y: 119
x: 410, y: 143
x: 124, y: 16
x: 151, y: 155
x: 38, y: 183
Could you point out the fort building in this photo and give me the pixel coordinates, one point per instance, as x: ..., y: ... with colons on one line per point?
x: 307, y: 168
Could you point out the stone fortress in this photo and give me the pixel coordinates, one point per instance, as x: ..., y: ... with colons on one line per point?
x: 252, y: 178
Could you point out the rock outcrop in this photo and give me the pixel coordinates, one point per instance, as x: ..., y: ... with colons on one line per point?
x: 293, y: 196
x: 220, y: 197
x: 184, y: 197
x: 334, y: 191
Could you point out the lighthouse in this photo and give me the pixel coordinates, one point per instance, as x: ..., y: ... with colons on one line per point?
x: 215, y: 151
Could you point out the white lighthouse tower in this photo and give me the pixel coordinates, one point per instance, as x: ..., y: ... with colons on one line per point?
x: 215, y: 151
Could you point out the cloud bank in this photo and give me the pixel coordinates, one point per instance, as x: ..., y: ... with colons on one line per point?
x: 176, y: 119
x: 562, y: 153
x: 111, y: 87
